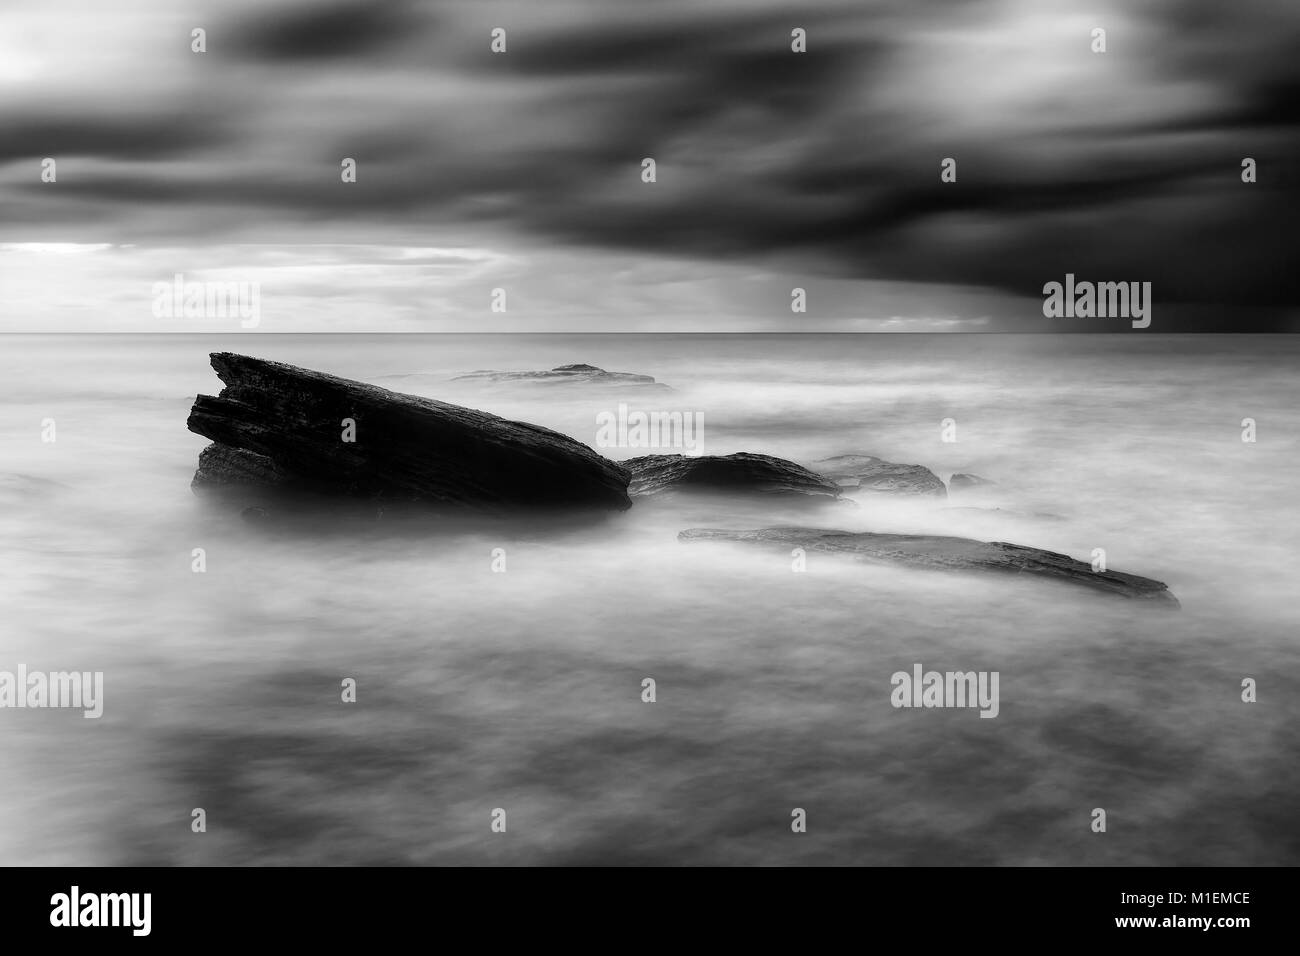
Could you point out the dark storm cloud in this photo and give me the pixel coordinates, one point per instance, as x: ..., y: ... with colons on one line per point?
x: 107, y: 137
x: 1115, y: 166
x: 1130, y: 210
x: 324, y: 31
x: 664, y: 45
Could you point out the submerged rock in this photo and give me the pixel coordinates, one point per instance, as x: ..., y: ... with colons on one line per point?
x: 960, y: 481
x: 255, y: 515
x: 21, y: 486
x: 280, y: 427
x: 1006, y: 512
x: 571, y: 374
x: 743, y: 473
x: 872, y: 474
x: 947, y: 553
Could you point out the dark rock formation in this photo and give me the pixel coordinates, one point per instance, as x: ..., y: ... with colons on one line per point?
x: 281, y: 427
x: 741, y: 473
x: 953, y: 554
x: 867, y: 473
x: 960, y: 481
x: 571, y: 374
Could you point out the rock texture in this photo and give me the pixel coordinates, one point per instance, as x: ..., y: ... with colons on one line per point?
x: 572, y: 374
x: 743, y: 473
x: 953, y: 554
x: 960, y: 481
x: 281, y: 427
x: 224, y: 466
x: 868, y: 473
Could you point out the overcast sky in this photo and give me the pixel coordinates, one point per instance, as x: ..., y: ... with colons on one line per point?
x: 522, y: 170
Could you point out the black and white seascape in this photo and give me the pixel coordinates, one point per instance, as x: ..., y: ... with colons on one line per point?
x: 674, y: 433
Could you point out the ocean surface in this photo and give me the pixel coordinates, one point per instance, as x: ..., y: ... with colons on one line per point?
x: 522, y: 690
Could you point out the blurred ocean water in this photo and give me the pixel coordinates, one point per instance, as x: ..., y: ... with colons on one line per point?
x: 522, y: 690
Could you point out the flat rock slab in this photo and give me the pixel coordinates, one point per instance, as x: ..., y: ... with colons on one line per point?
x: 567, y: 374
x: 741, y: 473
x: 281, y: 427
x: 871, y: 474
x: 946, y: 553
